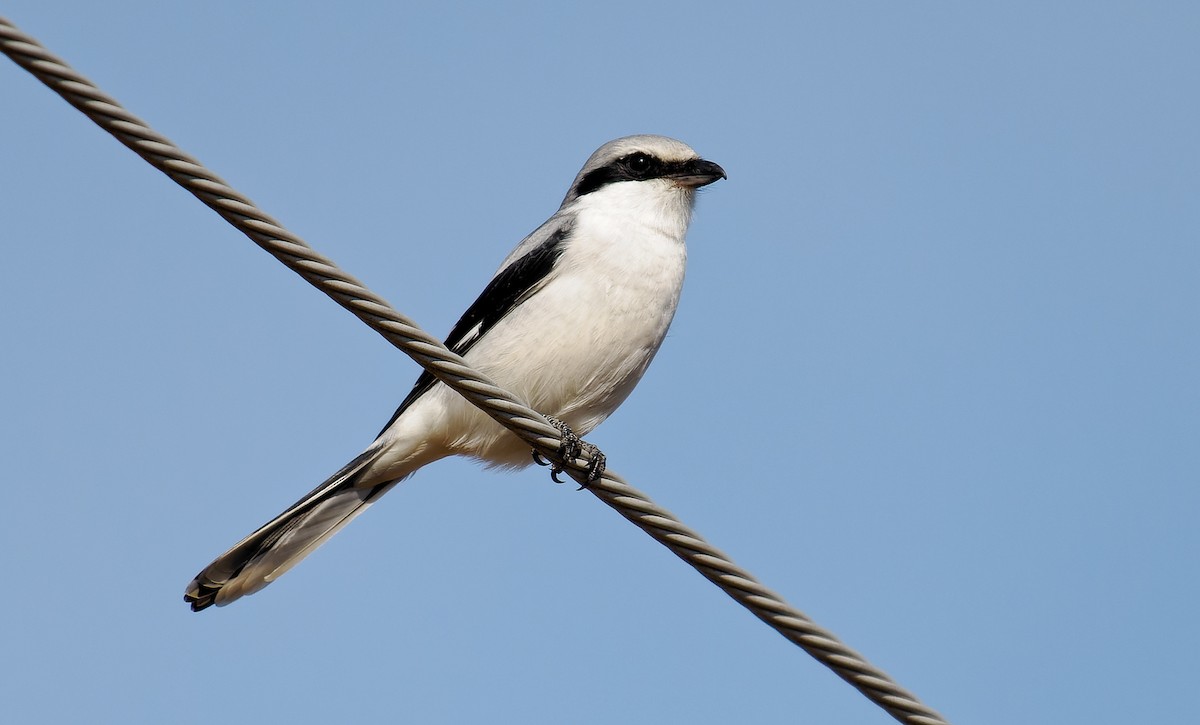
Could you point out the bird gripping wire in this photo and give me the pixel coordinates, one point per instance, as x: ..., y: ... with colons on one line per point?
x: 452, y: 370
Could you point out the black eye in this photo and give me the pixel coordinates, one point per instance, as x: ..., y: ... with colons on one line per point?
x: 639, y: 164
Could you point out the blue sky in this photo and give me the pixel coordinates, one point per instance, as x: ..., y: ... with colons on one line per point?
x: 933, y: 378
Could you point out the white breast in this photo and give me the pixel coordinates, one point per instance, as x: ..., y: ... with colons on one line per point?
x: 576, y: 349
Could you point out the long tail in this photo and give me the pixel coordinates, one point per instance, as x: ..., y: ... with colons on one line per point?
x: 262, y: 557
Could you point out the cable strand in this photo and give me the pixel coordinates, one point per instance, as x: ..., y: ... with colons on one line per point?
x: 452, y: 370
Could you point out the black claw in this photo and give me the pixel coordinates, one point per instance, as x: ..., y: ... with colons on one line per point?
x: 571, y: 448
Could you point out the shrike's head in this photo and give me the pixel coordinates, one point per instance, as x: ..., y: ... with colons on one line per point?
x: 643, y: 166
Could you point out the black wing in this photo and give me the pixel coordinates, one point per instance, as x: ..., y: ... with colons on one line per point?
x: 509, y: 288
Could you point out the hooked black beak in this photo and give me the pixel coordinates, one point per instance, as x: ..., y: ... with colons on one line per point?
x: 697, y: 173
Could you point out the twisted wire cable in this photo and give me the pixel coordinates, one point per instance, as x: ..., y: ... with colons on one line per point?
x: 452, y: 370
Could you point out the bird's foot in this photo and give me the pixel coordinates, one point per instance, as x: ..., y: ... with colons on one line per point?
x: 573, y: 447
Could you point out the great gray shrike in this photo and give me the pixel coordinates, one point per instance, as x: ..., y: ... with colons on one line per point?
x: 569, y: 324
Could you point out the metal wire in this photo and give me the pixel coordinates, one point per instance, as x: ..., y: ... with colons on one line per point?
x: 452, y: 370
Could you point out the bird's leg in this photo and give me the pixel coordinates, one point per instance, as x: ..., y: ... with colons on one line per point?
x: 573, y: 447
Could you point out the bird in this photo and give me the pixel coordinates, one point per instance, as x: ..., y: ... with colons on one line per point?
x: 569, y: 323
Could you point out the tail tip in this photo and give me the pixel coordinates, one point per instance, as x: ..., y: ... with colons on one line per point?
x: 201, y: 596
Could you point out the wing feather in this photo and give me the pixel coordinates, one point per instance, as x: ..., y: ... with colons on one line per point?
x: 519, y: 279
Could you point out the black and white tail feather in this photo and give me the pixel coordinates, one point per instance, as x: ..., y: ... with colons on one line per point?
x: 569, y: 323
x: 278, y: 545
